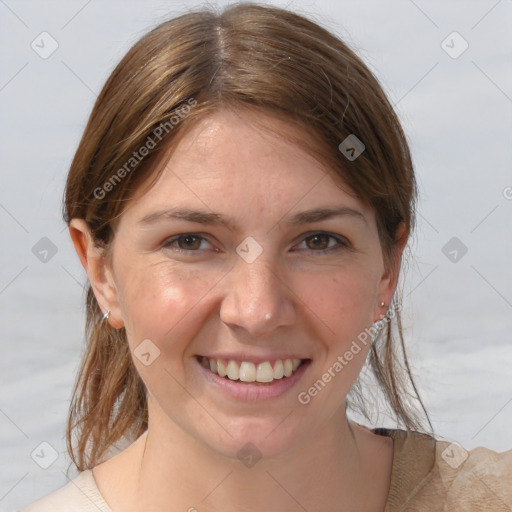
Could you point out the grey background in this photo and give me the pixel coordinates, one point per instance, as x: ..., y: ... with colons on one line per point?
x: 457, y: 113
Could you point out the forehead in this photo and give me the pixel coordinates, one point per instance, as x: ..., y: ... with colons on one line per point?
x: 245, y: 160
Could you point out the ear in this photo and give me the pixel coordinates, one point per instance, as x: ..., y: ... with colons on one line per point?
x: 96, y: 264
x: 389, y: 279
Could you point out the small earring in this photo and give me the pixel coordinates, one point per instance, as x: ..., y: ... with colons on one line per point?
x: 382, y: 303
x: 106, y: 316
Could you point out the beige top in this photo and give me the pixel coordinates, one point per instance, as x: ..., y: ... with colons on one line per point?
x: 427, y: 476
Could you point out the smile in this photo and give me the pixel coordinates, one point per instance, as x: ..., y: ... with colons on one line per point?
x: 247, y: 371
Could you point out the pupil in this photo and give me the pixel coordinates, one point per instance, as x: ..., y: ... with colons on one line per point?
x: 316, y: 238
x: 189, y: 242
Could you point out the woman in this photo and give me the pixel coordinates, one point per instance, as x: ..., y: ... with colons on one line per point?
x: 241, y: 199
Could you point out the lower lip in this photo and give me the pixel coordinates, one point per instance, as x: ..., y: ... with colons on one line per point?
x: 254, y: 391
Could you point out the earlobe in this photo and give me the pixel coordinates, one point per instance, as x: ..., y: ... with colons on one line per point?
x: 95, y: 263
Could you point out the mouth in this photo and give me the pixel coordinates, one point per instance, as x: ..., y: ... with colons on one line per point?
x: 264, y: 372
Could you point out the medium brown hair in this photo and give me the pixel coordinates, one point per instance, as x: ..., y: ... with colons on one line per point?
x: 253, y: 57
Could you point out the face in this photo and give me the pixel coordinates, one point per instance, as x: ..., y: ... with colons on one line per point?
x: 233, y: 255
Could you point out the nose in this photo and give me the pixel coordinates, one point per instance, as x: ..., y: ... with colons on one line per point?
x: 256, y: 299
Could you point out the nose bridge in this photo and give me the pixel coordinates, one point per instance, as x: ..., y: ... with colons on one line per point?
x: 256, y: 298
x: 259, y: 280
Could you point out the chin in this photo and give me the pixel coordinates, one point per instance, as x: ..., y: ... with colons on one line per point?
x: 255, y: 440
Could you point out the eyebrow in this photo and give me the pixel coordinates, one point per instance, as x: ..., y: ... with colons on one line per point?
x: 205, y: 217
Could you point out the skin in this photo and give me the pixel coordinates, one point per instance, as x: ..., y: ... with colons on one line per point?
x: 293, y: 299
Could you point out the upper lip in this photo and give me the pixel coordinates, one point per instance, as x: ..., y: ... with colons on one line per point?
x: 256, y: 359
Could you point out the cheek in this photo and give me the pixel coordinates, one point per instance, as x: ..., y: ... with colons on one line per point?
x: 160, y: 303
x: 344, y: 302
x: 165, y: 306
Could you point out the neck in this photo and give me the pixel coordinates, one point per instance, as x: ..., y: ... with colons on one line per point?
x: 172, y: 467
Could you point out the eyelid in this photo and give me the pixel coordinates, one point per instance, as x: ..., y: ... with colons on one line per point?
x: 168, y: 241
x: 342, y: 242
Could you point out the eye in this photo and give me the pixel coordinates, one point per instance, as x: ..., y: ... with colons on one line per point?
x: 317, y: 242
x: 186, y: 243
x: 324, y: 242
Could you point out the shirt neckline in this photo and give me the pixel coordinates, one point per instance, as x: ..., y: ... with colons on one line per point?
x: 406, y: 478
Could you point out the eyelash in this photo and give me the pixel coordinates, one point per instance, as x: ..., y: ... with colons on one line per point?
x: 342, y: 243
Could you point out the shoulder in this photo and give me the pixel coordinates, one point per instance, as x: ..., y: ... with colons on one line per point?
x: 79, y: 495
x: 435, y: 475
x: 475, y: 478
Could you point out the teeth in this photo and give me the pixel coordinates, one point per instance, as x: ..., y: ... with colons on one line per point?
x: 233, y: 370
x: 279, y: 370
x: 264, y: 373
x: 221, y: 368
x: 288, y: 368
x: 249, y: 372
